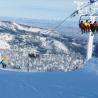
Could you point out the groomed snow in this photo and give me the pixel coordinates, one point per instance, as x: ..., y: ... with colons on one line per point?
x: 77, y: 84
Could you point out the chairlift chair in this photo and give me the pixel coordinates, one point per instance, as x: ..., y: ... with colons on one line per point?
x: 92, y: 18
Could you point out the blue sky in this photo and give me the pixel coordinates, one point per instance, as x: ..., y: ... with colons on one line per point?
x: 37, y: 9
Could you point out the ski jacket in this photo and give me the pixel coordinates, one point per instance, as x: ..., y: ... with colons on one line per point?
x: 95, y: 24
x: 5, y: 60
x: 81, y: 25
x: 87, y: 24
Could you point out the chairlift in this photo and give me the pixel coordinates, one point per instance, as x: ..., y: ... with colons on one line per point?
x: 91, y: 18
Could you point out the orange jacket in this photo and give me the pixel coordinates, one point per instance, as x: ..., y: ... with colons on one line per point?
x: 5, y: 59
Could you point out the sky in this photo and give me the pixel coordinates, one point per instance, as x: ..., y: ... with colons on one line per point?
x: 37, y: 9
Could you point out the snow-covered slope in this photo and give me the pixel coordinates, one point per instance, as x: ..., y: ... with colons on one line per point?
x: 14, y: 26
x: 23, y: 34
x: 76, y: 84
x: 54, y: 48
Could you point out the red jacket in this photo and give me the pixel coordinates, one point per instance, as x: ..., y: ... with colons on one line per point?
x: 81, y: 25
x: 95, y: 24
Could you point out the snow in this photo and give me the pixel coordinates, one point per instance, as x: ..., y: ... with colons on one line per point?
x: 78, y: 45
x: 59, y: 46
x: 14, y: 26
x: 4, y: 39
x: 77, y: 84
x: 26, y: 29
x: 4, y: 45
x: 15, y: 37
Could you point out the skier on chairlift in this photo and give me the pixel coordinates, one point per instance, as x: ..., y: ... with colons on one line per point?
x: 82, y: 27
x: 91, y: 26
x: 94, y: 27
x: 87, y: 26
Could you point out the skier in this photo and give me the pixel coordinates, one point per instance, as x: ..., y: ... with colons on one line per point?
x: 91, y: 26
x: 4, y: 62
x: 82, y: 27
x: 87, y: 26
x: 94, y: 26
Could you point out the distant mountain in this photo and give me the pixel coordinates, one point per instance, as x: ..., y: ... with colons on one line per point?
x: 26, y: 36
x: 20, y: 37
